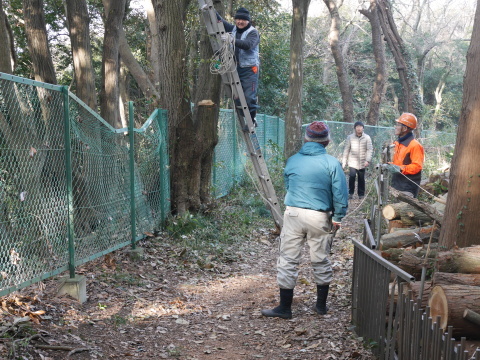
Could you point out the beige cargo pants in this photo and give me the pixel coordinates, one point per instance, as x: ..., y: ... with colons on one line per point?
x: 314, y: 227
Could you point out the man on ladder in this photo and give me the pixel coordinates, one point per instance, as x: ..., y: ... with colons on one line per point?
x: 245, y: 40
x: 237, y: 53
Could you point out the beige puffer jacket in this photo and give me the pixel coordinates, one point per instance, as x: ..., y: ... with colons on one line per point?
x: 357, y: 151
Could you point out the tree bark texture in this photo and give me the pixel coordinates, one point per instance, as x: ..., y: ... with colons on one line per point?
x: 443, y: 278
x: 410, y: 237
x: 293, y: 116
x: 449, y: 302
x: 78, y: 24
x: 154, y: 47
x: 378, y: 91
x: 114, y: 12
x: 398, y: 210
x: 173, y: 90
x: 461, y: 213
x: 6, y: 39
x: 205, y: 124
x: 136, y: 70
x: 472, y: 316
x: 336, y: 48
x: 406, y: 73
x: 419, y: 205
x: 37, y: 40
x: 466, y: 261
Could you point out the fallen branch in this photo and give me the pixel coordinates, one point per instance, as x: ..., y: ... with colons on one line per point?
x: 427, y: 209
x: 70, y: 349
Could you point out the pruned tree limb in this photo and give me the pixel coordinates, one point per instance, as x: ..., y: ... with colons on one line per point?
x: 424, y: 207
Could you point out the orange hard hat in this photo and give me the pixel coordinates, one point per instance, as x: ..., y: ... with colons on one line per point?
x: 408, y: 119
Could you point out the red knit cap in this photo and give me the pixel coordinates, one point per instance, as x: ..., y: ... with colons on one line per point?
x: 317, y: 131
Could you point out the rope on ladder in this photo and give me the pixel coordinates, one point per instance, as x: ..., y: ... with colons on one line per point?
x: 223, y: 60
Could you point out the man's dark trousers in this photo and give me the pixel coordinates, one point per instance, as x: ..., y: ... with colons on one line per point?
x: 361, y: 181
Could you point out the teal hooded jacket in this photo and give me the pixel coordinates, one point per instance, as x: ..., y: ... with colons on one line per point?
x: 315, y: 180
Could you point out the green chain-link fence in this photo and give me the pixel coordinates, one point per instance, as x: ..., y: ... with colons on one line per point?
x: 438, y: 145
x: 72, y: 188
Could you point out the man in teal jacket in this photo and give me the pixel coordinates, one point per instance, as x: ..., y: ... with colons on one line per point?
x: 316, y: 202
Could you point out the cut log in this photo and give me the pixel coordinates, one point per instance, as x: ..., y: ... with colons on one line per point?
x: 472, y: 316
x: 465, y: 260
x: 417, y: 221
x: 394, y: 225
x: 449, y: 302
x: 395, y: 255
x: 424, y: 207
x: 411, y: 237
x: 415, y: 287
x: 443, y: 278
x: 406, y: 212
x: 396, y: 210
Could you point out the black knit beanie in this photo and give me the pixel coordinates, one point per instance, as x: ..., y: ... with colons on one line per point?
x: 243, y: 14
x: 358, y: 123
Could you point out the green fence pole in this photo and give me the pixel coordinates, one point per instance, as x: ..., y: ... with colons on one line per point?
x: 69, y: 184
x: 278, y: 131
x: 264, y: 136
x: 131, y: 137
x: 234, y: 147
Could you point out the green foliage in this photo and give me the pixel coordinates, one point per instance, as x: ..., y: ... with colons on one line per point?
x: 274, y: 59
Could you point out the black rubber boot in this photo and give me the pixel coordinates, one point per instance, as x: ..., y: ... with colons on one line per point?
x: 284, y: 310
x: 321, y: 307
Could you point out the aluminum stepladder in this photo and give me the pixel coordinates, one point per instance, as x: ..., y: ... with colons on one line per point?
x: 234, y: 89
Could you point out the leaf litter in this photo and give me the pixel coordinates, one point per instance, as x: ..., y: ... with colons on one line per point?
x: 174, y: 304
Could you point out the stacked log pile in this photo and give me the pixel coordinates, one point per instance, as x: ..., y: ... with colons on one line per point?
x: 452, y: 285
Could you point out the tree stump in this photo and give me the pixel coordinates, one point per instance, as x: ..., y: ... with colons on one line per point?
x: 449, y: 302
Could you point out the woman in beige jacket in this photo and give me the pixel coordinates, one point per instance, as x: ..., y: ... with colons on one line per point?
x: 357, y: 156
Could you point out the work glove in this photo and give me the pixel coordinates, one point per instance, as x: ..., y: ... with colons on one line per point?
x: 393, y: 168
x: 226, y: 37
x: 205, y: 7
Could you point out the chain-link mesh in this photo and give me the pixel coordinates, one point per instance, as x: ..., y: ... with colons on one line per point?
x: 65, y: 184
x: 231, y: 152
x: 436, y: 143
x: 67, y: 194
x: 33, y: 206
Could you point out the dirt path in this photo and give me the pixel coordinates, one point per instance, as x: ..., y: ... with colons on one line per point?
x: 172, y: 306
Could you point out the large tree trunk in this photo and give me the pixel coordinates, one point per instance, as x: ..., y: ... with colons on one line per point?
x: 207, y: 93
x: 154, y: 47
x: 465, y: 261
x: 170, y: 17
x: 78, y: 24
x: 449, y: 302
x: 378, y: 91
x: 6, y: 39
x: 109, y: 109
x: 293, y: 117
x: 443, y: 278
x: 342, y: 76
x: 37, y: 40
x: 408, y: 76
x: 461, y: 213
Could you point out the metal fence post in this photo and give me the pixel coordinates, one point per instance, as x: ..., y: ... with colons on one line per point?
x: 131, y: 138
x: 234, y: 130
x: 69, y: 184
x: 264, y: 136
